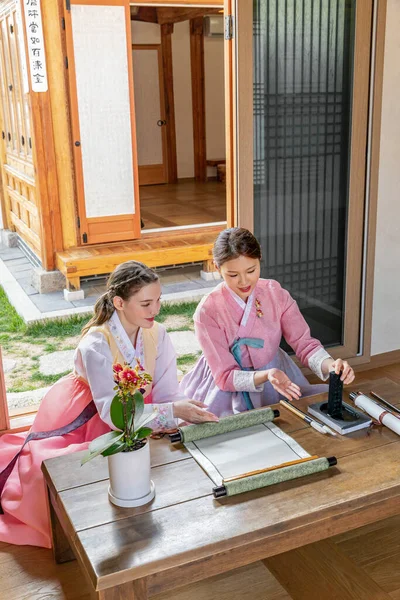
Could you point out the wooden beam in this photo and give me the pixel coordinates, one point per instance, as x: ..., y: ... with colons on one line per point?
x: 147, y: 14
x: 198, y: 98
x: 182, y: 2
x: 168, y: 75
x: 176, y: 14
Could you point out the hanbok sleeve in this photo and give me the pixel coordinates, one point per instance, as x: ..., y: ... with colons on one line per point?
x: 297, y: 333
x: 165, y: 389
x: 93, y: 362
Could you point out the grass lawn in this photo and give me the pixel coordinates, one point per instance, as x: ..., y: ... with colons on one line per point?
x: 27, y: 343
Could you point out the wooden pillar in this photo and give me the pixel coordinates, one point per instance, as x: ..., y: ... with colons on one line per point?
x: 166, y: 48
x: 56, y: 59
x: 45, y: 169
x: 4, y: 419
x: 198, y: 98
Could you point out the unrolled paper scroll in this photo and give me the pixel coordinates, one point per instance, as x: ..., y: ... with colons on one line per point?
x: 377, y: 412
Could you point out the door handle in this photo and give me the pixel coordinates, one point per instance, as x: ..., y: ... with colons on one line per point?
x: 161, y: 122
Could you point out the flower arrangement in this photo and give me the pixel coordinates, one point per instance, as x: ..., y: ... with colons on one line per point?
x: 126, y: 413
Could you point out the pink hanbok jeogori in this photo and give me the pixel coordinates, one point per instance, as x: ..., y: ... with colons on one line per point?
x: 221, y: 319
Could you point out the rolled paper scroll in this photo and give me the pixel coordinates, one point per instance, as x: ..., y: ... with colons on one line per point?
x: 247, y: 484
x: 191, y: 433
x: 376, y: 411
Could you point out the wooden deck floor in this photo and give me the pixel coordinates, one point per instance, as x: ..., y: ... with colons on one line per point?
x: 155, y: 250
x: 29, y: 573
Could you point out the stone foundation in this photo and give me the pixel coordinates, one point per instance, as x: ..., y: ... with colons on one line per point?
x: 9, y: 238
x: 47, y: 281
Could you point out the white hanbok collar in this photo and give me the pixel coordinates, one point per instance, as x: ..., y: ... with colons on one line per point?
x: 245, y: 306
x: 125, y: 346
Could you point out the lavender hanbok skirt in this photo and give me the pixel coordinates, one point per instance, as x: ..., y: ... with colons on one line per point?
x: 199, y: 384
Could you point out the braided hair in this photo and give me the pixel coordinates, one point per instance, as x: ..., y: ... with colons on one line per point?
x: 125, y: 281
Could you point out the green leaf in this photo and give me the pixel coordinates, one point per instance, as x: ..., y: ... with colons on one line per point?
x: 114, y: 449
x: 104, y: 439
x: 101, y: 444
x: 145, y: 419
x: 143, y: 432
x: 139, y: 406
x: 117, y: 412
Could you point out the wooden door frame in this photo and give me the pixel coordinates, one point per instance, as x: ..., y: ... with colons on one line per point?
x: 242, y: 158
x: 163, y: 116
x: 229, y: 80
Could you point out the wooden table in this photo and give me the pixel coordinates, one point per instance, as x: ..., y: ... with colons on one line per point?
x: 185, y: 535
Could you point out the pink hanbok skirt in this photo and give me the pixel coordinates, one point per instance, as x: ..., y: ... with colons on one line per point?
x: 199, y: 384
x: 24, y: 498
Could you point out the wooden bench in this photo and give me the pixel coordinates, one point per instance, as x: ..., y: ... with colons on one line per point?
x: 152, y: 249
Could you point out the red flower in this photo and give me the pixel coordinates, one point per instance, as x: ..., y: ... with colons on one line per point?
x: 129, y: 379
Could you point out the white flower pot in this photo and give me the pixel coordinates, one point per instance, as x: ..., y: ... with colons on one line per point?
x: 130, y: 483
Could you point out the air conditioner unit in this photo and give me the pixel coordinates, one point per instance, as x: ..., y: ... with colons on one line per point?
x: 214, y: 26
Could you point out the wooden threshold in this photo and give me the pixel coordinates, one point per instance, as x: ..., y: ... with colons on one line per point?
x: 155, y: 250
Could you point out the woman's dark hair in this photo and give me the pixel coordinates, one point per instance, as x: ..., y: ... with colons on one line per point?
x: 125, y: 281
x: 234, y: 242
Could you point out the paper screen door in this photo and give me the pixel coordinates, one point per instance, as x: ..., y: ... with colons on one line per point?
x: 103, y: 121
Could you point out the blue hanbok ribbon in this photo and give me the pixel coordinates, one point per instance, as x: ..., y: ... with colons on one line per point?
x: 237, y: 355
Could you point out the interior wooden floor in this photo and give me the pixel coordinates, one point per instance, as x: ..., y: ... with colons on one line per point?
x: 371, y: 554
x: 184, y: 203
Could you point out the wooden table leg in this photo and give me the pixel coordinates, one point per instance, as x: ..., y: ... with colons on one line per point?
x: 62, y: 550
x: 136, y: 590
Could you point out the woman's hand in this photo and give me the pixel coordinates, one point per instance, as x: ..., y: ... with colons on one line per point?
x: 282, y: 384
x: 192, y: 411
x: 343, y: 366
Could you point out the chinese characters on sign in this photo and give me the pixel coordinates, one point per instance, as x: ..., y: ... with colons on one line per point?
x: 34, y: 35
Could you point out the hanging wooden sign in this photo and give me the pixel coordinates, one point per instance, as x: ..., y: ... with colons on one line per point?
x: 35, y: 43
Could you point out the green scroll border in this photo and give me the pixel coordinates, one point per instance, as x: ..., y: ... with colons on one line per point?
x: 191, y: 433
x: 255, y: 482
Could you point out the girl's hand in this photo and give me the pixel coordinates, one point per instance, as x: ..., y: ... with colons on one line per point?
x: 343, y: 366
x: 192, y: 411
x: 282, y: 384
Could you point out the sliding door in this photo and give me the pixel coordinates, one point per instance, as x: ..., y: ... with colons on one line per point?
x: 103, y: 121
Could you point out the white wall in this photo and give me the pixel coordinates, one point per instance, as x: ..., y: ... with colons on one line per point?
x: 386, y: 298
x: 149, y: 33
x: 215, y: 97
x: 145, y: 33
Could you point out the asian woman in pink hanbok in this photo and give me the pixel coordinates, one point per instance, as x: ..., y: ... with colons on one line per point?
x: 239, y: 326
x: 77, y: 408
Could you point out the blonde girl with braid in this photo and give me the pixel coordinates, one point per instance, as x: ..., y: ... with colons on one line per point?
x: 77, y: 408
